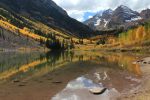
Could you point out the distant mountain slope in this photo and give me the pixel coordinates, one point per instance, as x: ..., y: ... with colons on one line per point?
x: 47, y: 12
x: 99, y: 21
x: 121, y: 17
x: 145, y: 14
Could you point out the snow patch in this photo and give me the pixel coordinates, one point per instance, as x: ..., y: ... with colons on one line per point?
x: 97, y: 22
x: 106, y: 22
x: 134, y: 19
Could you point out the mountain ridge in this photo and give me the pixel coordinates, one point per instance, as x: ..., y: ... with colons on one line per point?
x: 47, y: 12
x: 121, y: 17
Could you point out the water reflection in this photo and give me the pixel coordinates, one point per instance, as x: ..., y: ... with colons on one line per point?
x: 78, y: 89
x: 19, y: 65
x: 117, y: 72
x: 12, y: 64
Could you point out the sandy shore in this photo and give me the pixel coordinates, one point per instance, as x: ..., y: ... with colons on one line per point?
x: 143, y: 93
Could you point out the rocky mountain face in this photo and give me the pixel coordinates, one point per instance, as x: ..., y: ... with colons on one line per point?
x: 145, y: 14
x: 99, y: 21
x: 47, y: 12
x: 121, y: 17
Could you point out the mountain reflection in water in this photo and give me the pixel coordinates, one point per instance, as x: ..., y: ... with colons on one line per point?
x: 74, y: 70
x: 78, y: 89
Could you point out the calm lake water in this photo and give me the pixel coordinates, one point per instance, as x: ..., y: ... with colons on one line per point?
x: 67, y: 75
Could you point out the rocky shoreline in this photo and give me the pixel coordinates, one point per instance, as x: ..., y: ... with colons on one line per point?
x: 143, y: 93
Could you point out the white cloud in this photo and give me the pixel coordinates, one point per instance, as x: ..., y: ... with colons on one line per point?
x: 77, y: 8
x: 76, y: 14
x: 90, y: 17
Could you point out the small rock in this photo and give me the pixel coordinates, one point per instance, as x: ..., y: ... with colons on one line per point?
x: 57, y: 82
x: 16, y: 81
x: 134, y: 63
x: 98, y: 90
x: 138, y: 61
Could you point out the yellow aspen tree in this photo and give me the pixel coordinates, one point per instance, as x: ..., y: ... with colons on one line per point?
x: 139, y: 33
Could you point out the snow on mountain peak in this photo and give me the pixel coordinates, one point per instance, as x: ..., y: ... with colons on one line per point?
x: 134, y: 19
x: 122, y: 16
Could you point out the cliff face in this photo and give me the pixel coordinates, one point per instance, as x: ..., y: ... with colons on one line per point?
x: 145, y: 14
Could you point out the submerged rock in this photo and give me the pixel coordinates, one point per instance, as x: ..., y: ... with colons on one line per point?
x: 98, y: 90
x: 16, y: 81
x: 144, y: 62
x: 140, y: 61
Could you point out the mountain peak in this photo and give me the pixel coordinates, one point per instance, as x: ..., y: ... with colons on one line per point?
x: 106, y: 14
x: 125, y: 11
x: 124, y: 7
x: 108, y: 11
x: 145, y: 13
x: 122, y: 16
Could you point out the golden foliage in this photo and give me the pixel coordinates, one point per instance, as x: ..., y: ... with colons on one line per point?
x: 25, y: 31
x: 137, y: 35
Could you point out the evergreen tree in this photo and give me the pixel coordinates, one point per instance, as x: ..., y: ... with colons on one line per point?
x: 41, y: 42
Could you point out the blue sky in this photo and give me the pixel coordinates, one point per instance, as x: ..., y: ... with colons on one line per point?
x: 88, y: 15
x: 84, y: 9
